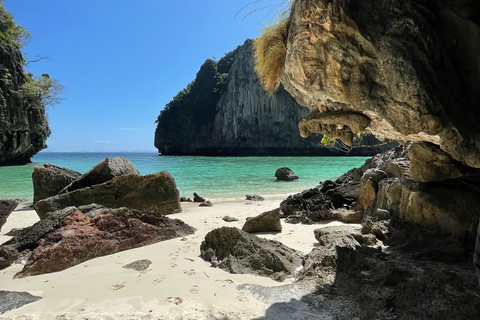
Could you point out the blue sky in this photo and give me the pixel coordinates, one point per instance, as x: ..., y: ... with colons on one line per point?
x: 123, y: 60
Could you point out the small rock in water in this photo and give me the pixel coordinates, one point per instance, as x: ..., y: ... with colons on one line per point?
x: 254, y: 197
x: 197, y: 198
x: 206, y: 204
x: 139, y: 265
x: 285, y: 174
x: 229, y: 219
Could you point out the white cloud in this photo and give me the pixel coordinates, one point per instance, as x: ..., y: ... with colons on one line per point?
x: 102, y: 141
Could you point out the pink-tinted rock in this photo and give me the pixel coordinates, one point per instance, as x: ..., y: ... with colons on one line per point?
x: 79, y: 239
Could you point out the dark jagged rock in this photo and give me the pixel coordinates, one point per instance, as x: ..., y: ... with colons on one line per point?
x: 229, y: 219
x: 237, y: 251
x: 265, y: 222
x: 78, y: 238
x: 6, y: 207
x: 254, y: 197
x: 197, y: 198
x: 139, y: 265
x: 102, y: 172
x: 154, y: 192
x: 50, y: 180
x: 285, y: 174
x: 10, y: 300
x: 28, y: 238
x: 23, y: 121
x: 225, y: 111
x: 185, y: 199
x: 206, y: 204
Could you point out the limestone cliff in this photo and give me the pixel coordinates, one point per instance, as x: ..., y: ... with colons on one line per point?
x: 400, y: 69
x: 225, y: 111
x: 23, y: 122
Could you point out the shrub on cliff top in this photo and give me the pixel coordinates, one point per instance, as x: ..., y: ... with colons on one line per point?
x: 270, y: 53
x: 10, y: 32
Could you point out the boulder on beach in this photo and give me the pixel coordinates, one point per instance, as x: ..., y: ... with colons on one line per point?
x: 206, y: 204
x: 77, y: 238
x: 10, y: 300
x: 285, y: 174
x: 197, y: 198
x: 50, y: 180
x: 155, y: 193
x: 237, y: 251
x: 102, y: 172
x: 6, y: 208
x: 265, y: 222
x: 254, y: 197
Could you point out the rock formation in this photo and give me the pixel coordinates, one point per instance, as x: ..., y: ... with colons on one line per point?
x: 240, y: 252
x: 404, y: 70
x: 6, y: 207
x: 23, y: 122
x: 50, y: 180
x: 265, y: 222
x: 155, y: 192
x: 225, y: 111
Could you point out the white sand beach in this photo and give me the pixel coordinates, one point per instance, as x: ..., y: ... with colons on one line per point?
x: 179, y: 284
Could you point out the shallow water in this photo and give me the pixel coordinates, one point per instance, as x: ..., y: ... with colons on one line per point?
x: 216, y: 178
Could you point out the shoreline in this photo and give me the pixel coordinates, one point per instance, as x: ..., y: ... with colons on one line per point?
x: 100, y: 288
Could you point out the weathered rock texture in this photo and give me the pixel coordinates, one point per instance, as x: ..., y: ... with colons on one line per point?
x: 23, y: 122
x: 285, y: 174
x: 237, y: 251
x: 407, y: 70
x: 6, y: 207
x: 50, y: 180
x: 155, y: 192
x: 78, y: 238
x: 265, y: 222
x: 103, y: 171
x: 225, y: 111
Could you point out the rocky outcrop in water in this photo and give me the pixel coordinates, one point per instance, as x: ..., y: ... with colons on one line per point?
x: 225, y: 111
x: 23, y: 122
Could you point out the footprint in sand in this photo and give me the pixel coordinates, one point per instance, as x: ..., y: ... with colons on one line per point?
x: 173, y: 265
x: 226, y: 281
x: 118, y: 286
x: 242, y: 297
x: 157, y: 281
x: 191, y: 260
x: 190, y: 272
x: 194, y: 290
x: 175, y: 300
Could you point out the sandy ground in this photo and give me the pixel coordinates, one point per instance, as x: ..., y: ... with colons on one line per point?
x: 102, y: 289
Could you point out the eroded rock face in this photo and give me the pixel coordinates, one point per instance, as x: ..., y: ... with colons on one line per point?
x: 237, y: 251
x: 449, y: 207
x: 10, y: 300
x: 23, y: 121
x: 225, y: 111
x: 78, y: 238
x: 154, y: 192
x: 398, y: 69
x: 50, y: 180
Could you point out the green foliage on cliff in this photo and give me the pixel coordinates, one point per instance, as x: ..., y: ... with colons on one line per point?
x: 270, y: 52
x: 11, y: 32
x: 44, y: 89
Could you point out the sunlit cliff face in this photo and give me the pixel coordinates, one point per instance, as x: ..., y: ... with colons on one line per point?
x: 406, y: 70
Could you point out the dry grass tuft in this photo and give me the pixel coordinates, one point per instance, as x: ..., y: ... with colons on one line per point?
x: 270, y: 53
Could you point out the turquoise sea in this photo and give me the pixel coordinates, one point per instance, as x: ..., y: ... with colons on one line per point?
x: 215, y: 178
